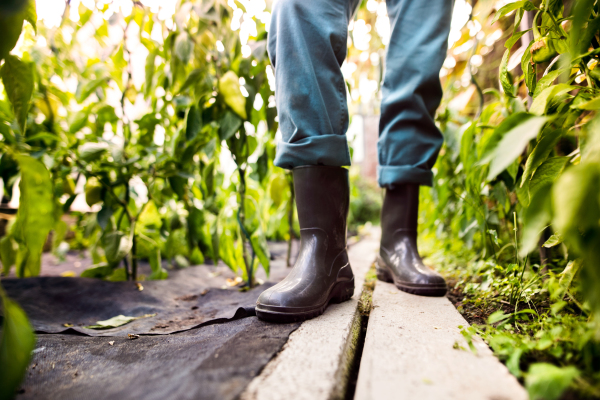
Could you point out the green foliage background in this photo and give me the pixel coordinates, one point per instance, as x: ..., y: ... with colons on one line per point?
x: 513, y: 217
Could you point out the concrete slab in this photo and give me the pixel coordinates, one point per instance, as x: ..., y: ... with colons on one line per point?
x: 409, y: 354
x: 315, y: 362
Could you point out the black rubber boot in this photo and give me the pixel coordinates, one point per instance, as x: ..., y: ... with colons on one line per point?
x: 322, y: 273
x: 399, y: 260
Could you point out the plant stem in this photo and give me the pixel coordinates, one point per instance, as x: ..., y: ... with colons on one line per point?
x: 290, y: 221
x: 241, y: 220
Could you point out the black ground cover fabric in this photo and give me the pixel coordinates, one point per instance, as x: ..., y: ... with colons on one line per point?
x: 212, y: 362
x: 189, y: 298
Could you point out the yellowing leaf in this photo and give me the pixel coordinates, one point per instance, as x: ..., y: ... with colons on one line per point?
x: 114, y: 322
x: 229, y: 86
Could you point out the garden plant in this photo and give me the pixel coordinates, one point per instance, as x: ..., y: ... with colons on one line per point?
x: 166, y: 124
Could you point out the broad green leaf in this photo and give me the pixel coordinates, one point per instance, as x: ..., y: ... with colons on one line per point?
x: 31, y: 14
x: 504, y: 78
x: 575, y: 201
x: 513, y: 143
x: 548, y: 382
x: 17, y: 77
x: 535, y: 218
x: 98, y: 271
x: 547, y: 96
x: 17, y: 342
x: 149, y: 69
x: 581, y: 12
x: 566, y: 277
x: 261, y: 249
x: 540, y: 153
x: 229, y: 88
x: 593, y: 104
x: 158, y: 272
x: 8, y: 253
x: 546, y: 81
x: 196, y: 258
x: 514, y: 38
x: 511, y: 7
x: 10, y: 31
x: 36, y: 216
x: 79, y: 120
x: 193, y: 123
x: 85, y: 89
x: 91, y: 151
x: 529, y: 71
x: 116, y: 246
x: 553, y: 240
x: 490, y: 144
x: 117, y: 321
x: 229, y: 125
x: 547, y: 173
x: 184, y: 47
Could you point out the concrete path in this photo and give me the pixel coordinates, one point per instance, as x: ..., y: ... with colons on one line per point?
x: 409, y: 351
x: 315, y: 362
x: 409, y: 354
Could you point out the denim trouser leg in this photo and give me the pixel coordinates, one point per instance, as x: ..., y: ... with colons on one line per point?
x: 409, y: 141
x: 307, y: 45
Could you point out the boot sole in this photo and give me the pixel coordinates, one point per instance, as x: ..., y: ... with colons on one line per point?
x: 383, y: 274
x: 342, y: 291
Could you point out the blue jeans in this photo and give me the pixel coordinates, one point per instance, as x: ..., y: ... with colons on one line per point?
x: 307, y: 45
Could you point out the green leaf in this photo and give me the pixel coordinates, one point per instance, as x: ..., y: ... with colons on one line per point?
x: 193, y: 123
x: 529, y: 71
x: 10, y: 31
x: 488, y: 147
x: 229, y: 125
x: 511, y: 7
x: 184, y: 47
x: 593, y: 104
x: 117, y: 321
x: 535, y: 218
x: 553, y: 240
x: 149, y: 69
x: 504, y: 78
x: 513, y: 143
x: 547, y: 96
x: 540, y: 153
x: 514, y: 38
x: 18, y: 80
x: 31, y: 14
x: 8, y: 253
x: 548, y: 382
x: 17, y: 342
x: 547, y: 173
x: 36, y: 216
x: 546, y: 81
x: 261, y: 249
x: 85, y: 89
x: 91, y: 151
x: 99, y: 271
x: 229, y: 88
x: 575, y: 201
x: 116, y: 246
x: 566, y: 277
x: 158, y: 272
x: 80, y: 119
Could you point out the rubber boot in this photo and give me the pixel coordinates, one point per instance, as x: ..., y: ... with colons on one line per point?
x: 322, y: 273
x: 399, y: 260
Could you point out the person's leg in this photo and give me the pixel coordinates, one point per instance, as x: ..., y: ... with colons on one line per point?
x: 307, y: 46
x: 409, y: 141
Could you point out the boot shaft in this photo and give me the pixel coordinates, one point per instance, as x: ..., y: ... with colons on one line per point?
x: 322, y: 200
x: 400, y: 212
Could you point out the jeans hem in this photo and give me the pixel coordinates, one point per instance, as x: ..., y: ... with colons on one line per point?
x: 330, y: 150
x: 389, y: 176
